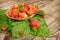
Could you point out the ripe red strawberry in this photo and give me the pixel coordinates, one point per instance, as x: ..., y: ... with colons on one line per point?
x: 34, y: 8
x: 23, y: 15
x: 21, y: 33
x: 34, y: 23
x: 15, y: 15
x: 27, y: 6
x: 24, y: 10
x: 3, y: 28
x: 10, y: 14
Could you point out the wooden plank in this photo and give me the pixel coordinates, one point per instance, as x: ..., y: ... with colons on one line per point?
x: 59, y: 37
x: 29, y: 37
x: 53, y: 26
x: 6, y: 5
x: 51, y: 18
x: 2, y: 36
x: 52, y: 38
x: 38, y: 38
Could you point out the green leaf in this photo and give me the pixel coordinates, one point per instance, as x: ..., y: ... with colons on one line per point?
x: 20, y: 26
x: 4, y: 20
x: 43, y: 30
x: 41, y: 12
x: 36, y: 17
x: 2, y: 11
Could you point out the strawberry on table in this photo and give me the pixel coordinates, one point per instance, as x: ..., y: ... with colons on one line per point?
x: 3, y: 28
x: 21, y: 32
x: 34, y: 24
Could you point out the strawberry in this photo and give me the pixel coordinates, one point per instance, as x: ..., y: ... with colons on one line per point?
x: 15, y: 15
x: 34, y: 8
x: 23, y: 15
x: 27, y: 6
x: 21, y: 33
x: 3, y: 28
x: 10, y: 14
x: 14, y: 7
x: 24, y: 10
x: 34, y: 23
x: 30, y: 12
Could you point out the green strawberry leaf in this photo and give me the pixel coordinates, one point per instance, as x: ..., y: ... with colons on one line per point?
x: 36, y: 17
x: 41, y: 13
x: 20, y: 26
x: 43, y: 30
x: 4, y: 20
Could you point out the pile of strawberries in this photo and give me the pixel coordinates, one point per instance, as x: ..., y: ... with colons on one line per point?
x: 22, y: 11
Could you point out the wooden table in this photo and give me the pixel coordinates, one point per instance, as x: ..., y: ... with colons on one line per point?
x: 52, y: 17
